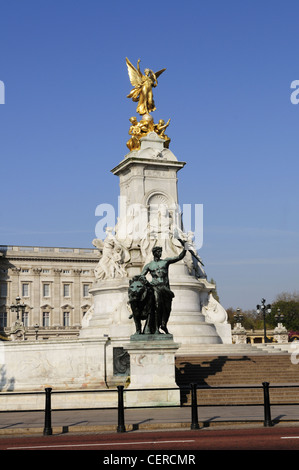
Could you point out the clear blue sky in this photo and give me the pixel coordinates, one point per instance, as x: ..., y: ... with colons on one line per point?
x: 64, y: 125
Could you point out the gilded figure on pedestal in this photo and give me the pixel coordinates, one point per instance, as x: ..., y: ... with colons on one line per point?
x: 143, y: 85
x: 142, y: 93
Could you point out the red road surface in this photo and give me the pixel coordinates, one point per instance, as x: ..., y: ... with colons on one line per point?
x: 274, y: 438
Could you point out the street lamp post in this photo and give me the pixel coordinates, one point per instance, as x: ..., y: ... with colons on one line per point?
x: 36, y: 327
x: 18, y: 308
x: 279, y: 317
x: 280, y: 332
x: 17, y: 331
x: 264, y: 309
x: 239, y: 334
x: 238, y: 316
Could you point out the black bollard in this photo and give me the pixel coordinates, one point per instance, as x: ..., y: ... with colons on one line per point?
x: 121, y: 413
x: 48, y: 425
x: 267, y: 409
x: 194, y: 414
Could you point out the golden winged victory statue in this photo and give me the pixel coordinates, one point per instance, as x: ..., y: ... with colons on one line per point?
x: 142, y: 93
x: 143, y: 85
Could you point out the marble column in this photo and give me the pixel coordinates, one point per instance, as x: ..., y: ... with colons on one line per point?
x: 35, y: 295
x: 56, y: 320
x: 76, y: 320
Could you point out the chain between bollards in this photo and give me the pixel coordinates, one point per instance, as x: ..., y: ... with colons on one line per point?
x: 267, y: 410
x: 121, y: 412
x: 194, y: 413
x: 48, y: 420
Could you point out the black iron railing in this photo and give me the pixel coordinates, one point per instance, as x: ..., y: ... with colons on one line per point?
x: 193, y: 388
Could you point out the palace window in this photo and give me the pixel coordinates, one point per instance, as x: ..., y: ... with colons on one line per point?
x: 46, y: 318
x: 3, y: 289
x: 3, y: 319
x: 46, y: 290
x: 85, y: 290
x: 66, y: 318
x: 25, y: 290
x: 66, y: 290
x: 25, y: 318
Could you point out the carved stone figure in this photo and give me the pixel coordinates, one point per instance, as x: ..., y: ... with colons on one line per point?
x: 17, y: 331
x: 160, y: 231
x: 197, y: 263
x: 213, y: 311
x: 114, y: 257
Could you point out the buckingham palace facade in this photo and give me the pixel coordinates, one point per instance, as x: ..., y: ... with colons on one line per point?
x: 52, y: 282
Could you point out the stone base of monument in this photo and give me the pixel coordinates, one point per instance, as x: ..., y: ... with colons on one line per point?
x: 152, y: 371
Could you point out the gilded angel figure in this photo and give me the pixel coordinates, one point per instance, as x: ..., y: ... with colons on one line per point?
x: 143, y: 85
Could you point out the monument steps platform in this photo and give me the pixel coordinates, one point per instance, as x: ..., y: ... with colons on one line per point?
x: 232, y: 349
x: 245, y: 367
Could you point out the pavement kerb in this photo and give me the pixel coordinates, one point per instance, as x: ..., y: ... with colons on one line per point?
x: 85, y: 429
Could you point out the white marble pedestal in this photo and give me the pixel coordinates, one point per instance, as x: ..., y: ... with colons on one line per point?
x: 152, y: 367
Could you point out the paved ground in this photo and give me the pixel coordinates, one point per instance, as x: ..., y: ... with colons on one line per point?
x: 28, y: 422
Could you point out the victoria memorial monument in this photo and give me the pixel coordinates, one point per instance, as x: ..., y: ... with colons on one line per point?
x: 151, y: 296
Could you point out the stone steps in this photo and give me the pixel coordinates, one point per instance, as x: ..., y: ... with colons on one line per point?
x: 238, y: 397
x: 246, y: 366
x: 232, y: 349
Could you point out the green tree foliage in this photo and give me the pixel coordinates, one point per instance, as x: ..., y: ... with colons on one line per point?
x: 289, y: 308
x: 251, y: 320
